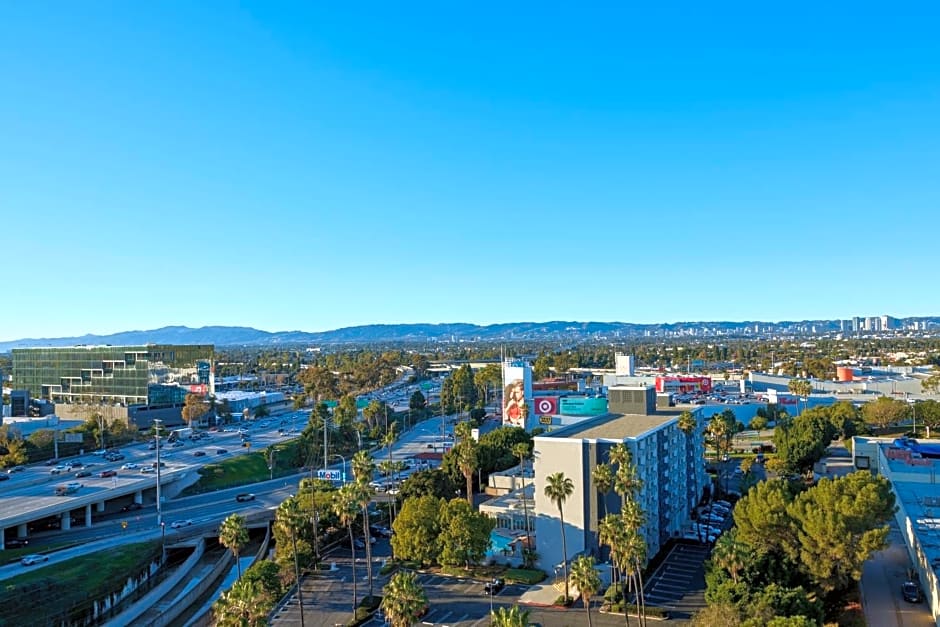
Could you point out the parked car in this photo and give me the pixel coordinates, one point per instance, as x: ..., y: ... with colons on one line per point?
x: 244, y: 496
x: 29, y: 560
x: 493, y: 587
x: 380, y: 530
x: 179, y: 524
x: 911, y: 592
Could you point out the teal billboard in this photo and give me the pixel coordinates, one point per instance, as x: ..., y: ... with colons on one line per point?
x: 583, y: 406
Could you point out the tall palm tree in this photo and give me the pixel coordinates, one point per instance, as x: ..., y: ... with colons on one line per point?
x: 346, y: 508
x: 613, y: 533
x: 523, y: 451
x: 636, y: 553
x: 288, y: 514
x: 603, y: 478
x: 363, y: 470
x: 388, y: 440
x: 233, y: 534
x: 512, y: 616
x: 403, y: 599
x: 558, y: 488
x: 585, y: 578
x: 468, y: 458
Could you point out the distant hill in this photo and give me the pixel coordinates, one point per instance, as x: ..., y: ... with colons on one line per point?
x: 505, y: 332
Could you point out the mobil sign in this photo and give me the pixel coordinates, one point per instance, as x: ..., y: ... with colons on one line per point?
x: 546, y: 405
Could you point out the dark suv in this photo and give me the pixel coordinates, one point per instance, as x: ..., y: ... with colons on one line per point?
x: 493, y: 587
x: 911, y: 592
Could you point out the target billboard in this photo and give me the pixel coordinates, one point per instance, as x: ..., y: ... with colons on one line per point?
x: 545, y: 405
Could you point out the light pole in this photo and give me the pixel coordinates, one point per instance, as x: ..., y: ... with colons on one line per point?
x: 162, y: 542
x: 157, y: 424
x: 293, y: 541
x: 271, y: 453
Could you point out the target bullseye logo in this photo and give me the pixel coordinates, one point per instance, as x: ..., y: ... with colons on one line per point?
x: 545, y: 406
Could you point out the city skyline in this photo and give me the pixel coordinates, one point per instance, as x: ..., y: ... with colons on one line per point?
x: 296, y: 167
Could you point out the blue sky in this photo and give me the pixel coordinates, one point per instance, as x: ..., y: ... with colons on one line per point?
x: 288, y: 166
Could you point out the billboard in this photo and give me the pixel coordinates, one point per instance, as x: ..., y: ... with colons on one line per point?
x: 683, y: 385
x: 583, y: 405
x: 517, y: 394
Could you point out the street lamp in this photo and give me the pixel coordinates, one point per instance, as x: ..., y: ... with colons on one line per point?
x: 157, y: 424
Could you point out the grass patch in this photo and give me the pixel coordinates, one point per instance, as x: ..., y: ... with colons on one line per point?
x: 245, y: 469
x: 524, y: 575
x: 74, y: 584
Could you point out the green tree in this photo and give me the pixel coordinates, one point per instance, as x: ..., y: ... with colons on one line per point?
x: 433, y: 482
x: 345, y: 412
x: 761, y: 518
x: 839, y: 523
x: 927, y: 414
x: 724, y: 614
x: 319, y: 383
x: 603, y: 478
x: 584, y: 577
x: 558, y: 488
x: 801, y: 388
x: 885, y: 412
x: 417, y: 403
x: 417, y: 529
x: 403, y: 599
x: 233, y: 535
x: 468, y: 458
x: 730, y: 554
x: 465, y: 534
x: 758, y: 423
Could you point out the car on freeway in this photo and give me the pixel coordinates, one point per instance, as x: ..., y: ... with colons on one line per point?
x: 16, y: 469
x: 179, y: 524
x: 129, y: 466
x: 911, y: 592
x: 244, y: 496
x: 130, y: 507
x: 82, y: 473
x: 147, y: 469
x: 4, y: 477
x: 15, y: 543
x: 57, y: 470
x: 220, y: 451
x: 199, y: 454
x: 107, y: 473
x: 494, y: 586
x: 29, y: 560
x: 178, y: 444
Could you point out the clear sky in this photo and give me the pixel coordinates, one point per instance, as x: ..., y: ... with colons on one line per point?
x: 312, y: 166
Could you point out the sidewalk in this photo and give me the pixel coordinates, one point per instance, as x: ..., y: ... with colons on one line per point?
x: 880, y: 587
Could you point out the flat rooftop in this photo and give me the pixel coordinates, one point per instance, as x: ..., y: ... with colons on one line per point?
x: 613, y: 426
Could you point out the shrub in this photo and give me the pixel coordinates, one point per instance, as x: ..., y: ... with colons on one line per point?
x: 524, y: 575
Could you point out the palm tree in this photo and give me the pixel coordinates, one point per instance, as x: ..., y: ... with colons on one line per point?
x: 233, y: 534
x: 613, y: 533
x: 603, y: 478
x: 403, y: 599
x: 240, y: 607
x: 523, y: 451
x: 468, y: 458
x: 363, y: 470
x: 558, y: 488
x: 388, y: 440
x: 802, y: 388
x: 288, y: 514
x: 346, y: 507
x: 730, y: 554
x: 511, y: 616
x: 635, y: 553
x: 585, y: 578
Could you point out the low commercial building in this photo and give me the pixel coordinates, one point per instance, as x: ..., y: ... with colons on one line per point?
x: 912, y: 469
x: 669, y: 462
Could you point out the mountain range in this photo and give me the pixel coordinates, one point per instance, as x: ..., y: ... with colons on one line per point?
x: 446, y: 332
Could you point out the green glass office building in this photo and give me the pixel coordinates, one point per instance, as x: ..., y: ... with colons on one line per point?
x: 153, y: 375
